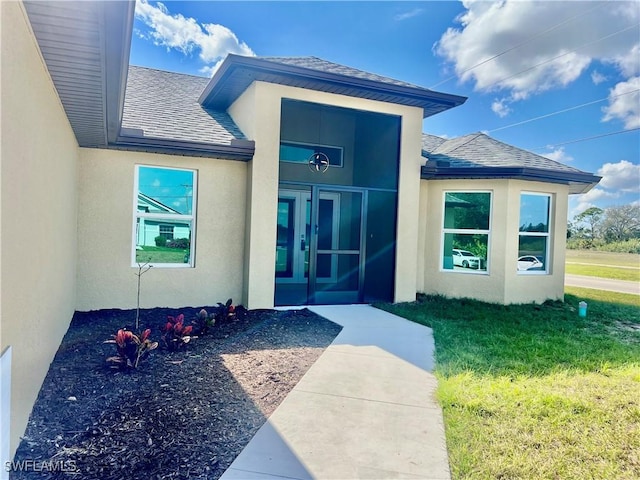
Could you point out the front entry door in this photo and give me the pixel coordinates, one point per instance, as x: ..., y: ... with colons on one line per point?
x: 319, y: 246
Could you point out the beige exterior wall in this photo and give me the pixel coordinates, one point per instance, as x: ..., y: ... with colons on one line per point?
x: 106, y: 278
x: 257, y: 113
x: 39, y: 157
x: 502, y: 283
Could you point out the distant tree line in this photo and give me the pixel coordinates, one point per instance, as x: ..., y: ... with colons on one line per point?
x: 614, y: 229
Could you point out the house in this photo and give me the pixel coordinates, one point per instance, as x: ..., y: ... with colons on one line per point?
x: 288, y: 180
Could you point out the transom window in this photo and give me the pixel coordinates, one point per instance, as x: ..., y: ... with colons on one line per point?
x: 164, y: 218
x: 466, y: 231
x: 301, y: 152
x: 534, y: 233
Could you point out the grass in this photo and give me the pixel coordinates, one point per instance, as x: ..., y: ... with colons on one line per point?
x: 618, y: 266
x: 160, y: 255
x: 629, y: 274
x: 535, y: 391
x: 603, y: 258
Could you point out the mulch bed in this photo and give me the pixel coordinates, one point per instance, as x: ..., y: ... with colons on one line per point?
x: 182, y: 414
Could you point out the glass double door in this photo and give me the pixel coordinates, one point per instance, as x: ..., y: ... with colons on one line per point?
x: 319, y: 248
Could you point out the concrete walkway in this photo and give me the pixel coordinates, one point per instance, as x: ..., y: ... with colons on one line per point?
x: 622, y: 286
x: 364, y: 410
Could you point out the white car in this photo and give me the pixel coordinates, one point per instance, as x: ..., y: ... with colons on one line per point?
x: 529, y: 262
x: 466, y: 259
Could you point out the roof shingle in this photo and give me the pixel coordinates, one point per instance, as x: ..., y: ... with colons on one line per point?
x: 164, y: 105
x: 478, y: 150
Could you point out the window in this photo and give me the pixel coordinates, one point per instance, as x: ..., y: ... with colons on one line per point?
x: 166, y: 231
x: 164, y: 223
x: 533, y: 238
x: 465, y: 233
x: 301, y: 152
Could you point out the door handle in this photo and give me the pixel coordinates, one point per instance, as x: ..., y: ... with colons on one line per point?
x: 303, y: 245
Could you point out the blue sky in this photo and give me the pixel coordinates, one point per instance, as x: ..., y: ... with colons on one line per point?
x: 537, y: 59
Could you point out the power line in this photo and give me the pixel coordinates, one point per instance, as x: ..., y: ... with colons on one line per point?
x: 588, y: 138
x: 562, y: 111
x: 564, y: 54
x: 518, y: 45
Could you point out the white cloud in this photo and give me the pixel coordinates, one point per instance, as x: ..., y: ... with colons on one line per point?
x: 624, y: 103
x: 186, y: 35
x: 623, y: 176
x: 410, y: 14
x: 210, y: 70
x: 500, y: 107
x: 559, y: 155
x: 589, y: 199
x: 620, y: 182
x: 487, y: 29
x: 597, y: 78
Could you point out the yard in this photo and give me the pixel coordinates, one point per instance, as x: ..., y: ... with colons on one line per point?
x: 618, y: 266
x: 535, y: 391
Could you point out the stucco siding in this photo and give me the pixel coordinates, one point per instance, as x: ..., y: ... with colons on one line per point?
x: 106, y: 278
x: 39, y: 218
x: 502, y: 283
x: 257, y: 112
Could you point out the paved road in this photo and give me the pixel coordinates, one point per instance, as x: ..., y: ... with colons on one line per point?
x: 622, y: 286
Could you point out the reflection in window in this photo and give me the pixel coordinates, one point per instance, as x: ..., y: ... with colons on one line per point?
x: 165, y: 216
x: 466, y: 231
x: 301, y: 152
x: 533, y: 241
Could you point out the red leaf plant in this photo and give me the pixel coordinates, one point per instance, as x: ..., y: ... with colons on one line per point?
x: 176, y: 334
x: 131, y: 348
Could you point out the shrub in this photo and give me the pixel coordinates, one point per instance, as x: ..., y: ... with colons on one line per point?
x: 181, y: 243
x: 131, y: 348
x: 161, y: 241
x: 176, y: 335
x: 204, y: 321
x: 225, y: 311
x: 627, y: 246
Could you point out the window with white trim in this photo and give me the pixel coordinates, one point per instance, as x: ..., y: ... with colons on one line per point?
x: 164, y: 216
x: 466, y: 231
x: 534, y: 233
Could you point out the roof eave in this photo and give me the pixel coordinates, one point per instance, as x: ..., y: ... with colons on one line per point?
x: 234, y: 62
x: 119, y: 21
x: 578, y: 182
x: 240, y: 150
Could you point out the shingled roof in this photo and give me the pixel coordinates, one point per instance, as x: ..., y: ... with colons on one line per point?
x: 161, y: 110
x: 479, y: 156
x: 237, y: 72
x: 165, y: 105
x: 315, y: 63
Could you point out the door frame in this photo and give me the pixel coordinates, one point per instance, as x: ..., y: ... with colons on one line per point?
x: 315, y: 296
x: 300, y: 197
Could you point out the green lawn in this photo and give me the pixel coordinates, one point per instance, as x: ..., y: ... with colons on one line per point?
x: 160, y: 255
x: 618, y: 266
x: 603, y: 258
x: 534, y: 391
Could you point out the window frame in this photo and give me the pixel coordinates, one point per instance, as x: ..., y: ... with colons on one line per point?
x: 465, y: 231
x: 160, y: 217
x: 547, y: 234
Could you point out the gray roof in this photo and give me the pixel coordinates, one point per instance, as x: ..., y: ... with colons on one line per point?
x: 164, y: 105
x: 237, y: 72
x: 480, y: 150
x: 430, y: 143
x: 479, y: 156
x: 315, y: 63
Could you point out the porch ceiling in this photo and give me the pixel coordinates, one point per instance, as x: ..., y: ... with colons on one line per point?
x: 85, y: 45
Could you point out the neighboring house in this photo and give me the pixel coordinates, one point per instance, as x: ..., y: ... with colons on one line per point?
x: 312, y: 183
x: 163, y: 222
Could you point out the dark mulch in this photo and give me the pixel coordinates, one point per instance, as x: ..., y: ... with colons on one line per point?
x: 183, y: 414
